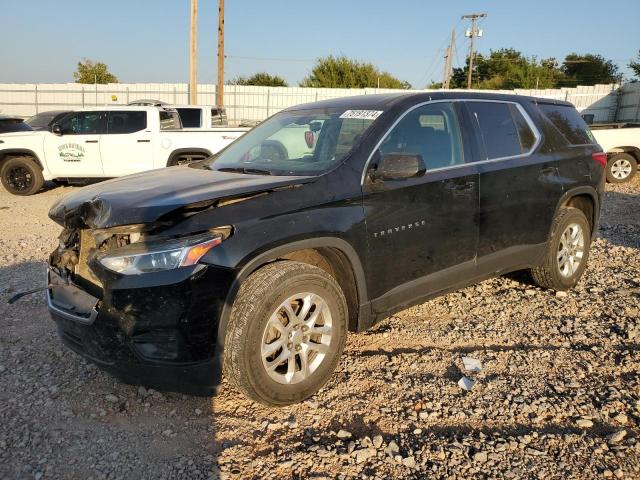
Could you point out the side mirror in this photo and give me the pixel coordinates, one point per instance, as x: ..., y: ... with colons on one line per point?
x: 399, y: 166
x: 56, y: 129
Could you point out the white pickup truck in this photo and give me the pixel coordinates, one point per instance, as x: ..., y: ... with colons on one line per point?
x: 104, y: 142
x: 621, y: 142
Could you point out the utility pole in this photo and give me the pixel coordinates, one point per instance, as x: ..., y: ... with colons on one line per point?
x: 448, y: 61
x: 472, y: 34
x: 220, y: 89
x: 193, y: 54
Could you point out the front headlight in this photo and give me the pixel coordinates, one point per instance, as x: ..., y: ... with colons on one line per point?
x: 147, y: 258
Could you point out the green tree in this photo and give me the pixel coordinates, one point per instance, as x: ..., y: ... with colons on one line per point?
x: 261, y: 79
x: 635, y: 66
x: 93, y: 72
x: 506, y: 69
x: 343, y: 72
x: 588, y: 69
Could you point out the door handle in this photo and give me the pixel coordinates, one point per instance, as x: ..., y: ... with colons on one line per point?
x: 144, y: 141
x: 91, y: 141
x: 548, y: 171
x: 461, y: 187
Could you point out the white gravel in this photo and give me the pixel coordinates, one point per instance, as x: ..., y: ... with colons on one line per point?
x: 558, y: 395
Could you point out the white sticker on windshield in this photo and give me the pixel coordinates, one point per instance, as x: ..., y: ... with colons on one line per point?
x: 362, y: 114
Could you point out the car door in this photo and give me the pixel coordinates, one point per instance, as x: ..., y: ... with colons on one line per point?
x: 422, y: 232
x: 75, y: 152
x: 519, y: 186
x: 127, y: 146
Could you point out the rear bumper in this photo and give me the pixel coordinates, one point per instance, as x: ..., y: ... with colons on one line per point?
x: 163, y: 336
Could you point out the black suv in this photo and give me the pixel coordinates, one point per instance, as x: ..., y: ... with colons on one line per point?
x: 325, y: 218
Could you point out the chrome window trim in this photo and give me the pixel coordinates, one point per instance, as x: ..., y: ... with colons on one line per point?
x: 523, y: 112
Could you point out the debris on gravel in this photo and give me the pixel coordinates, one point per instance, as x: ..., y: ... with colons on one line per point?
x: 557, y: 395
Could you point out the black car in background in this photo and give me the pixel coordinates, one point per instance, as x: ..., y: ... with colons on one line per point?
x: 327, y: 217
x: 10, y: 124
x: 46, y: 120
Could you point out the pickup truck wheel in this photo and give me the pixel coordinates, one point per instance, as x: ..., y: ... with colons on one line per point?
x: 186, y: 158
x: 621, y: 168
x: 286, y: 333
x: 567, y: 251
x: 21, y: 176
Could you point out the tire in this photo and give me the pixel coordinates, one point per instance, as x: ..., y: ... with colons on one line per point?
x: 557, y: 272
x: 621, y: 167
x: 250, y: 334
x: 21, y: 176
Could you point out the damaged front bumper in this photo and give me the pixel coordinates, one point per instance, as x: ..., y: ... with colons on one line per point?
x: 155, y: 329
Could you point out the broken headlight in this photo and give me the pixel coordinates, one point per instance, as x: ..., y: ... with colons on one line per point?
x: 158, y: 256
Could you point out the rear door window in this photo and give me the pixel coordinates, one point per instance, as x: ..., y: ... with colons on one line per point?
x: 503, y: 129
x: 568, y: 122
x: 170, y: 120
x: 126, y: 122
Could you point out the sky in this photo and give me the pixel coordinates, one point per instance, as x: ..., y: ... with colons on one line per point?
x: 148, y: 41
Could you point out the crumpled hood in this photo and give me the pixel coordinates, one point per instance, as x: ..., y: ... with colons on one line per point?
x: 144, y: 197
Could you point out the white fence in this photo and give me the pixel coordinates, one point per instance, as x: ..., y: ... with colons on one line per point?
x: 606, y: 103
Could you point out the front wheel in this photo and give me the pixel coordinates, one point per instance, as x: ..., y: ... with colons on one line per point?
x: 621, y: 168
x: 21, y: 176
x: 567, y: 251
x: 286, y: 333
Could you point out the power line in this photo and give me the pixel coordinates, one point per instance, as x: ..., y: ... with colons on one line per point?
x: 270, y: 59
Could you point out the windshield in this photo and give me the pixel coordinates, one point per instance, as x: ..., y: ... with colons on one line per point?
x: 303, y: 142
x: 41, y: 120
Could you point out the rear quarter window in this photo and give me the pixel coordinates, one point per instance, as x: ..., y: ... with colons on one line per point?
x: 568, y: 122
x: 503, y: 129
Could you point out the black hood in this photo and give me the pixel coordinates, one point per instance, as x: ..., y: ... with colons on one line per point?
x: 145, y: 197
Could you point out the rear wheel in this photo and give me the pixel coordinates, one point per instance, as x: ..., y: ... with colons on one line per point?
x: 286, y: 333
x: 21, y: 176
x: 621, y: 168
x: 567, y: 251
x: 184, y: 158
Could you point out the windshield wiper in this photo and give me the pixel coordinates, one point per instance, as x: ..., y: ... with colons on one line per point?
x: 248, y: 171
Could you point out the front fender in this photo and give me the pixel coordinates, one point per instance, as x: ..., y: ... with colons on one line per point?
x: 254, y: 261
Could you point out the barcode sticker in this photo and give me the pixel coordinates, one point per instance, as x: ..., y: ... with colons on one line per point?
x: 362, y: 114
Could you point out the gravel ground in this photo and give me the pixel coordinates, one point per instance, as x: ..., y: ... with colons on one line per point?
x: 558, y: 395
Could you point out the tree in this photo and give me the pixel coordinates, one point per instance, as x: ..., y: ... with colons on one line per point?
x: 635, y: 66
x: 588, y: 69
x: 93, y: 72
x: 507, y: 69
x: 261, y: 79
x: 343, y: 72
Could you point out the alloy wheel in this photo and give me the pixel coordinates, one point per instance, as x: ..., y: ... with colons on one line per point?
x: 297, y: 338
x: 19, y: 178
x: 621, y: 168
x: 570, y: 250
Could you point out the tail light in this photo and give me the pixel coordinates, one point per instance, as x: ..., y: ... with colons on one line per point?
x: 601, y: 158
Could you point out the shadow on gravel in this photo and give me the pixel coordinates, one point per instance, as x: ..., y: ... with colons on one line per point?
x: 51, y: 392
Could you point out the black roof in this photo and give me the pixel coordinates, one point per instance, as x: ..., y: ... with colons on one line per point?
x: 383, y: 101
